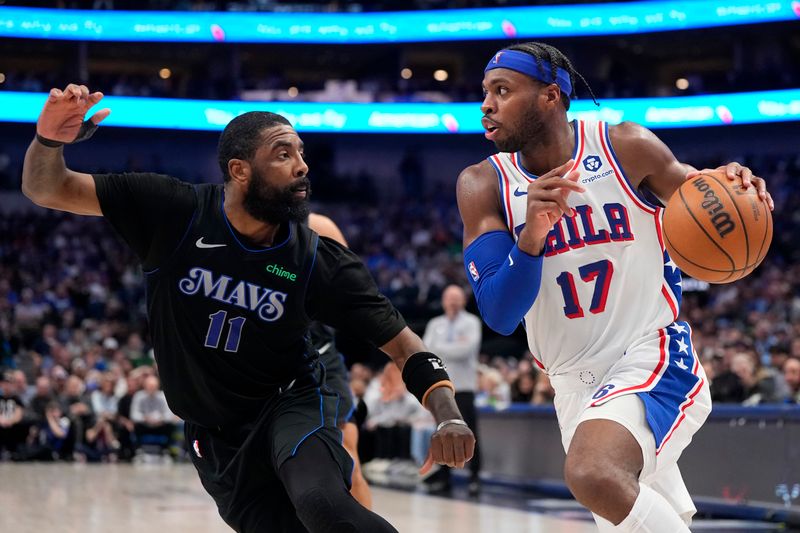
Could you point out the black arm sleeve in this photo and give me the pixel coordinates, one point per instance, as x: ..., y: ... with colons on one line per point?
x: 342, y: 294
x: 150, y: 211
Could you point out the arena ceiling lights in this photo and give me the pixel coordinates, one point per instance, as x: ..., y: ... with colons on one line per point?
x: 382, y: 27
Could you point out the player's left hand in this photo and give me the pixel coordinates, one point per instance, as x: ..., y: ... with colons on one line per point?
x: 453, y: 445
x: 734, y: 170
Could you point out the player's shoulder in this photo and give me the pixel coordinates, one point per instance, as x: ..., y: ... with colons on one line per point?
x: 477, y: 178
x: 629, y: 134
x: 330, y: 250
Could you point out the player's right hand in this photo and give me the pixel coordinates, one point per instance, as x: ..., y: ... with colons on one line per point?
x: 64, y: 112
x: 547, y: 203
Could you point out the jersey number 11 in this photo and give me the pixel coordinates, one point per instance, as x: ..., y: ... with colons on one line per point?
x: 215, y: 331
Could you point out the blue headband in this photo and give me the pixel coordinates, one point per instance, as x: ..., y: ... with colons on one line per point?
x: 526, y: 64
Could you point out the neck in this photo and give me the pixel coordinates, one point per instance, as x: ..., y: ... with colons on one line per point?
x: 256, y: 231
x: 553, y: 149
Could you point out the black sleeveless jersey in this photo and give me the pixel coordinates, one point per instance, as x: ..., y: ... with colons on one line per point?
x: 228, y: 320
x: 229, y: 315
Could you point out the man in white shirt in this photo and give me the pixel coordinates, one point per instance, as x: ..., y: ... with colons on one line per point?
x: 153, y: 420
x: 456, y: 337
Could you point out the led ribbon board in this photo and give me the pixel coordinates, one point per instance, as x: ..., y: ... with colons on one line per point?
x: 382, y: 27
x: 676, y: 112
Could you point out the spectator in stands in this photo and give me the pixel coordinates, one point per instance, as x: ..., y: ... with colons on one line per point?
x: 493, y: 390
x: 726, y: 386
x: 42, y: 396
x: 153, y: 421
x: 102, y: 436
x: 11, y: 411
x: 126, y: 428
x: 759, y: 385
x: 78, y: 407
x: 50, y: 440
x: 543, y: 392
x: 791, y: 373
x: 522, y: 388
x: 391, y: 410
x: 456, y: 337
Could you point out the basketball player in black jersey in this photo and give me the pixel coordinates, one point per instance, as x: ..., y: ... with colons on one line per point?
x: 233, y: 281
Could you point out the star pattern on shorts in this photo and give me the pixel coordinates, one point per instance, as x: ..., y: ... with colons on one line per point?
x: 672, y: 265
x: 678, y: 328
x: 682, y: 346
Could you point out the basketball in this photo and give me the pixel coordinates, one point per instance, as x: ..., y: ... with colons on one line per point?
x: 715, y: 230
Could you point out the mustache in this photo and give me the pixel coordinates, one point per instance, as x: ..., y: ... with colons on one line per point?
x: 302, y: 184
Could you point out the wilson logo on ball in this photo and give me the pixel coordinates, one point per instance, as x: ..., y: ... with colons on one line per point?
x: 711, y: 203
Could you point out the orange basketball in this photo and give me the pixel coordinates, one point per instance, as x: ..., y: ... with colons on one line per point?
x: 716, y: 231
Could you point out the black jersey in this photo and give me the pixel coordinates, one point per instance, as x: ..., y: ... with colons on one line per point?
x: 228, y: 319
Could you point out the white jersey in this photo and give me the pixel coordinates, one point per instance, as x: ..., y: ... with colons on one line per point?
x: 607, y: 279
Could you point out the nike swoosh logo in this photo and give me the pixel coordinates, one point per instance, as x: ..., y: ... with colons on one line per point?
x: 517, y: 192
x: 201, y: 244
x: 510, y: 261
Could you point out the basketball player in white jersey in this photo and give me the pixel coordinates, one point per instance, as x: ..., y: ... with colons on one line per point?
x: 559, y: 237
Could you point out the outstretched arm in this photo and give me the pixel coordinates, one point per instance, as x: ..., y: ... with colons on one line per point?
x: 46, y: 180
x: 648, y: 162
x: 453, y: 443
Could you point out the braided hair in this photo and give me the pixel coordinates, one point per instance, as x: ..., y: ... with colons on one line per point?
x: 243, y: 135
x: 556, y: 58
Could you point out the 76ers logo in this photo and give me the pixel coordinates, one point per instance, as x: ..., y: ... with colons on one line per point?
x: 602, y: 391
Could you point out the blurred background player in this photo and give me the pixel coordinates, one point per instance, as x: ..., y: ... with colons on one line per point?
x: 336, y: 375
x: 576, y: 255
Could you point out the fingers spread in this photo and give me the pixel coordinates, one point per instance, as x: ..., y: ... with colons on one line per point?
x: 747, y: 177
x: 95, y: 97
x: 732, y: 170
x: 55, y: 94
x: 72, y: 91
x: 100, y: 116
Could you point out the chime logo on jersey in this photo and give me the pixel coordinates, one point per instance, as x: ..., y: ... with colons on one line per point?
x: 268, y: 303
x: 281, y: 273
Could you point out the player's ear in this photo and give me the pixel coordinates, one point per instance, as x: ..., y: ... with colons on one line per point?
x: 239, y: 170
x: 552, y: 94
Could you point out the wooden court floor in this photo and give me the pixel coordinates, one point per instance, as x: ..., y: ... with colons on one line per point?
x: 75, y: 498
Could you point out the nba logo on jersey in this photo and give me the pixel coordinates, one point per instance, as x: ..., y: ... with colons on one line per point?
x: 473, y: 271
x: 592, y: 163
x: 196, y: 447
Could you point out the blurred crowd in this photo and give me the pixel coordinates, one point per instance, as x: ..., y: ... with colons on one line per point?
x: 617, y: 79
x: 79, y: 379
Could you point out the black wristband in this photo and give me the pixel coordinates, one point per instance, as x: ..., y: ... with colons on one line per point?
x: 49, y: 142
x: 423, y: 371
x: 87, y: 130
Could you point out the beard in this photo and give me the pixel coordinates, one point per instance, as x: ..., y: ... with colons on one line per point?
x: 276, y: 205
x: 530, y: 130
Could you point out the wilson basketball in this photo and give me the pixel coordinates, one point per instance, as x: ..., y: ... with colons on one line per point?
x: 715, y: 230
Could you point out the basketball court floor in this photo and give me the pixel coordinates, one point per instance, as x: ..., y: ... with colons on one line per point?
x: 147, y: 498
